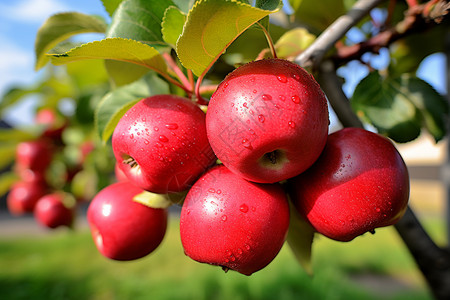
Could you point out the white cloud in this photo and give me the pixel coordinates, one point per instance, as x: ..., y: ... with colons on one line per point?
x: 31, y: 11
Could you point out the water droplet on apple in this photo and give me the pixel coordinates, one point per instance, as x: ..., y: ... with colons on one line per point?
x: 224, y: 218
x: 282, y: 78
x: 282, y: 97
x: 239, y: 251
x: 295, y: 99
x: 155, y: 128
x: 158, y: 144
x: 377, y: 209
x: 261, y: 118
x: 146, y: 141
x: 255, y: 91
x: 246, y: 143
x: 163, y: 138
x: 172, y: 126
x: 266, y: 97
x: 247, y: 247
x: 243, y: 208
x: 245, y: 105
x: 219, y: 192
x: 291, y: 124
x: 296, y: 77
x: 131, y: 136
x: 211, y: 190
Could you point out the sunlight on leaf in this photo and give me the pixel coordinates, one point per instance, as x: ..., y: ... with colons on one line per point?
x: 172, y: 25
x: 211, y: 26
x: 60, y: 27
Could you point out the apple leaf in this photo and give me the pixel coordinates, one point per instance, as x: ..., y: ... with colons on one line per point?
x: 293, y: 42
x: 17, y: 135
x: 172, y: 25
x: 184, y: 5
x: 153, y: 200
x: 7, y: 179
x: 318, y: 14
x: 211, y: 26
x: 122, y: 73
x: 300, y: 238
x: 111, y: 6
x: 139, y: 20
x: 117, y: 102
x: 7, y: 154
x: 60, y: 27
x: 115, y: 49
x: 400, y: 106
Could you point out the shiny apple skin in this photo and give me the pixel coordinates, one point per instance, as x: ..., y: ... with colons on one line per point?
x: 359, y: 183
x: 166, y: 136
x: 34, y: 155
x: 123, y: 229
x: 265, y: 106
x: 233, y: 223
x: 24, y: 195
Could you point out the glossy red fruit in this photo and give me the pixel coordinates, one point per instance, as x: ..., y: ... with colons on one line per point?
x: 123, y: 229
x: 161, y: 144
x: 55, y: 210
x: 268, y: 120
x: 233, y: 223
x: 34, y: 155
x: 23, y: 196
x: 54, y: 123
x: 359, y: 183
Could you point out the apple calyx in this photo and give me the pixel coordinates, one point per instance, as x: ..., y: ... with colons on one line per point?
x: 128, y: 160
x: 273, y: 159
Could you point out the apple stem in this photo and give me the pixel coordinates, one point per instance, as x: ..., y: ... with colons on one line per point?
x: 225, y: 269
x: 372, y: 231
x: 174, y: 67
x: 269, y: 40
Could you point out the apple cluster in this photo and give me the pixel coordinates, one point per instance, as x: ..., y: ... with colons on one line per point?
x: 32, y: 193
x: 262, y: 143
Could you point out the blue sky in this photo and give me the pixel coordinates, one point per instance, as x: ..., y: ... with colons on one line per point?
x: 21, y: 19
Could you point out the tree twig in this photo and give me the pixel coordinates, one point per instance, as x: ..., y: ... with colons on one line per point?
x: 314, y: 54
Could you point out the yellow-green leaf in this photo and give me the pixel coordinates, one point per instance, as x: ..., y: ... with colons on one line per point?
x: 293, y: 42
x: 116, y: 49
x: 211, y: 26
x: 111, y: 5
x: 172, y: 25
x: 60, y: 27
x: 300, y: 239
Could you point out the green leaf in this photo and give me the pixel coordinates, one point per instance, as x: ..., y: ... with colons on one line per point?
x: 317, y: 15
x: 122, y: 73
x: 6, y: 181
x: 7, y: 154
x: 111, y: 6
x: 184, y: 5
x: 211, y: 26
x: 432, y: 106
x: 14, y: 95
x: 116, y: 49
x: 172, y: 25
x: 15, y: 135
x: 293, y: 42
x: 96, y: 75
x: 300, y: 238
x: 139, y: 20
x: 116, y: 103
x: 400, y: 106
x: 60, y: 27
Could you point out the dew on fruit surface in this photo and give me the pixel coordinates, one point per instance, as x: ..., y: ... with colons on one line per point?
x: 224, y: 218
x: 252, y: 132
x: 295, y: 99
x: 146, y: 141
x: 245, y: 105
x: 255, y: 91
x: 172, y: 126
x: 131, y: 136
x: 155, y: 128
x: 163, y: 138
x: 282, y: 78
x: 296, y: 77
x: 219, y: 192
x: 291, y: 124
x: 377, y: 209
x: 159, y: 145
x: 246, y: 143
x: 282, y: 97
x: 243, y: 208
x: 261, y: 118
x: 266, y: 97
x: 211, y: 190
x: 247, y: 247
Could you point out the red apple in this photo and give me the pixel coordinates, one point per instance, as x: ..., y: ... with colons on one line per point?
x: 230, y: 222
x: 34, y: 155
x: 55, y: 210
x: 54, y: 123
x: 120, y: 175
x: 359, y: 183
x: 123, y: 229
x: 161, y: 144
x: 23, y: 196
x: 268, y: 120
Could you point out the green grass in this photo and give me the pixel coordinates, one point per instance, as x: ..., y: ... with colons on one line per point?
x: 66, y: 265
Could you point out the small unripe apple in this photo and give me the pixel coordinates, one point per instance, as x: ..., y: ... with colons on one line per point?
x: 23, y: 196
x: 230, y: 222
x: 55, y: 210
x: 359, y: 183
x: 34, y: 155
x: 268, y: 120
x: 122, y: 228
x: 161, y: 144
